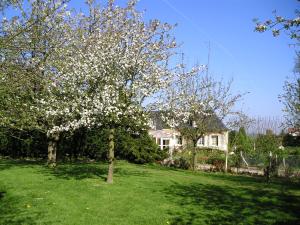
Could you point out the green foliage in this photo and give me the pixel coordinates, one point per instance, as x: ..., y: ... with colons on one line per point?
x: 138, y: 148
x: 267, y: 147
x: 183, y: 159
x: 267, y: 143
x: 182, y: 163
x: 242, y: 141
x: 206, y: 155
x: 290, y: 140
x: 231, y: 138
x: 22, y: 143
x: 83, y: 143
x: 217, y: 160
x: 289, y: 150
x: 239, y: 142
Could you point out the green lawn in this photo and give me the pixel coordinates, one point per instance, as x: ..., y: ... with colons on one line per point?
x: 71, y: 194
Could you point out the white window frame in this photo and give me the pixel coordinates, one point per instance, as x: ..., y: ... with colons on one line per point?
x: 162, y: 141
x: 201, y: 141
x: 215, y: 137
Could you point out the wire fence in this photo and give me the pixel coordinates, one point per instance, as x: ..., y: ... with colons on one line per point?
x: 254, y: 163
x: 285, y: 166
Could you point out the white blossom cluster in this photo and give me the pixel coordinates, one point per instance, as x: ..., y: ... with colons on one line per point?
x: 28, y: 36
x: 111, y: 62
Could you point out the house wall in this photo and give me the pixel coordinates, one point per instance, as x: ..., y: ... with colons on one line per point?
x: 222, y: 141
x: 171, y: 135
x: 166, y: 134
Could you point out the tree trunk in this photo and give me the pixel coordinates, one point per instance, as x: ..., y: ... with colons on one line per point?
x: 52, y: 149
x: 111, y: 155
x: 226, y: 161
x: 194, y: 159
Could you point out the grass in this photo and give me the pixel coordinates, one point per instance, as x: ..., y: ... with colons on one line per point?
x: 71, y: 194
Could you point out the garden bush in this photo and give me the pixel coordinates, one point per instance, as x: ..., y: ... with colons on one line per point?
x: 138, y: 147
x: 182, y: 163
x: 135, y: 146
x: 216, y: 158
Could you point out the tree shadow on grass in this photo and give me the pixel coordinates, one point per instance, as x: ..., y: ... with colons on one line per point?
x: 258, y: 180
x: 80, y: 171
x: 76, y: 170
x: 211, y: 204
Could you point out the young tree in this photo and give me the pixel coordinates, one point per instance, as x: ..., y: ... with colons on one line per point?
x: 197, y: 104
x: 240, y: 143
x: 268, y: 146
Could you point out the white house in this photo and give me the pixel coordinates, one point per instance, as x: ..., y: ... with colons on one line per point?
x: 170, y: 138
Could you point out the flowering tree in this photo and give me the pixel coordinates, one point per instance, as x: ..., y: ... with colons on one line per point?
x: 291, y: 101
x: 280, y: 24
x: 113, y: 61
x: 196, y: 104
x: 28, y: 43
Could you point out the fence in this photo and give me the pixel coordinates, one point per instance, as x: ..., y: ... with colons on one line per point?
x: 287, y: 166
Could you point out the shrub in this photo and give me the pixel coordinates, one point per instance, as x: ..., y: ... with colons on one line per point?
x: 182, y: 163
x: 290, y: 140
x: 21, y: 144
x: 138, y: 147
x: 217, y: 160
x: 83, y: 143
x: 213, y: 157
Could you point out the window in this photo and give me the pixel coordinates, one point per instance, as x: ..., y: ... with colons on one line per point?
x: 165, y: 143
x: 179, y: 140
x: 215, y: 140
x: 201, y: 141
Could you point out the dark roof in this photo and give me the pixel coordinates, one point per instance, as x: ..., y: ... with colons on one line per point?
x: 213, y: 123
x: 158, y: 122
